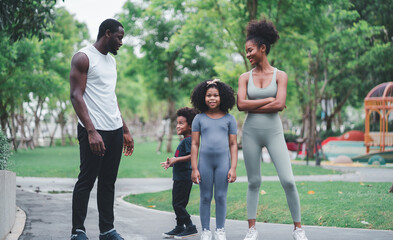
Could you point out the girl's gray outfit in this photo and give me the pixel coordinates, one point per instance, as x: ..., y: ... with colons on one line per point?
x: 214, y: 164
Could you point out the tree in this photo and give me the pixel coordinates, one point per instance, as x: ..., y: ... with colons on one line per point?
x: 35, y: 73
x: 20, y: 19
x: 173, y: 53
x: 336, y: 40
x: 19, y: 64
x: 66, y: 37
x: 322, y: 48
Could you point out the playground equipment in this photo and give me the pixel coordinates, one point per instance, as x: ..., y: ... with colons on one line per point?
x: 380, y: 101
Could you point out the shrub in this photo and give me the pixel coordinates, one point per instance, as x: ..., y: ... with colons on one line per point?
x: 290, y: 137
x: 4, y: 151
x: 329, y: 133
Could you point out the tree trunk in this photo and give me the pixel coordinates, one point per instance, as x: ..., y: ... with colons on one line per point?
x: 52, y: 136
x: 391, y: 189
x: 69, y: 137
x: 3, y: 118
x: 14, y: 130
x: 337, y: 109
x: 37, y: 120
x: 37, y: 130
x: 252, y: 7
x: 309, y: 120
x: 20, y: 118
x: 161, y: 135
x: 314, y: 118
x: 329, y: 121
x: 172, y: 123
x: 62, y: 122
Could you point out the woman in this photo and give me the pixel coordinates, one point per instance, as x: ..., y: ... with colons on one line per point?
x: 262, y: 93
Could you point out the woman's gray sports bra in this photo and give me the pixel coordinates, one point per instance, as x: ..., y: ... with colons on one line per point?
x: 254, y: 92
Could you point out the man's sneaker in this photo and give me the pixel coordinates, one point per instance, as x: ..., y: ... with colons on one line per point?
x: 252, y: 234
x: 206, y: 235
x: 173, y: 232
x: 79, y: 236
x: 113, y: 235
x: 219, y: 234
x: 188, y: 232
x: 299, y: 234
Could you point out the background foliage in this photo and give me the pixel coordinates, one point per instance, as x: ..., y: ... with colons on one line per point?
x: 334, y: 52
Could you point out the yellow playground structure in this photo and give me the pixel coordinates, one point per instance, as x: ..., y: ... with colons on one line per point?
x: 378, y: 105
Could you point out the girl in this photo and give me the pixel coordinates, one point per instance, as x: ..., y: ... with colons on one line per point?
x: 262, y: 93
x: 216, y: 130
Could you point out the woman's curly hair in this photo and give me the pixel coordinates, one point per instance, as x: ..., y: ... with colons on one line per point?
x: 262, y: 32
x: 187, y: 113
x: 227, y: 96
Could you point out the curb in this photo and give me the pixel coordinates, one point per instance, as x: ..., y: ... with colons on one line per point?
x: 19, y: 225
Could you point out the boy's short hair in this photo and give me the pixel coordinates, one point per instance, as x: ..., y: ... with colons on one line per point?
x: 188, y: 113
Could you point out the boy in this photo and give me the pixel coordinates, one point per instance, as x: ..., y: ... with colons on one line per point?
x: 182, y: 183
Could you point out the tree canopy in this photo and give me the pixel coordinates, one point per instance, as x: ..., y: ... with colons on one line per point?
x: 20, y: 19
x: 334, y: 52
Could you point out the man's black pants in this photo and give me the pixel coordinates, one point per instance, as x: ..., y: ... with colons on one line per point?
x: 105, y: 169
x: 180, y: 196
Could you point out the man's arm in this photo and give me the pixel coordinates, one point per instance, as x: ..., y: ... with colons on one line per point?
x: 78, y: 80
x: 128, y: 145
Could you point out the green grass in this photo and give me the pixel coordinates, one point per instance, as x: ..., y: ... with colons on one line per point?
x: 339, y: 204
x: 144, y: 163
x: 46, y: 162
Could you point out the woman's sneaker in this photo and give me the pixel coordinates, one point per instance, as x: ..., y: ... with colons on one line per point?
x: 206, y: 235
x: 219, y: 234
x: 173, y: 232
x: 299, y: 234
x: 188, y: 232
x: 252, y: 234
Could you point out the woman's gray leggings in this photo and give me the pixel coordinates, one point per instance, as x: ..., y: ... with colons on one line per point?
x: 257, y: 134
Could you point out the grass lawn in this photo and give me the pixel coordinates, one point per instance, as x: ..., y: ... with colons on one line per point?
x: 339, y: 204
x: 144, y: 163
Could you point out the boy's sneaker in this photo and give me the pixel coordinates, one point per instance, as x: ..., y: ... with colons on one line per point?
x: 113, y: 235
x: 220, y: 234
x: 206, y: 235
x: 299, y: 234
x: 252, y: 234
x: 173, y: 232
x: 79, y: 236
x: 188, y: 232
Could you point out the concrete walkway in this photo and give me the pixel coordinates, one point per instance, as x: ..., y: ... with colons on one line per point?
x: 49, y: 215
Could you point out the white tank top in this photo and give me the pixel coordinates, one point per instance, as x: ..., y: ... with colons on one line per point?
x: 99, y: 95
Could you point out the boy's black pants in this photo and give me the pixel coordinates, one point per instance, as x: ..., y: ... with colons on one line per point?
x: 180, y: 196
x: 92, y: 167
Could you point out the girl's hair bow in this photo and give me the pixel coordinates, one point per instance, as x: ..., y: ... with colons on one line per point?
x: 214, y: 81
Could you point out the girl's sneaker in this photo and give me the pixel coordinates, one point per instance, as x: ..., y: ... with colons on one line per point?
x: 206, y: 235
x: 219, y: 234
x: 252, y: 234
x: 299, y: 234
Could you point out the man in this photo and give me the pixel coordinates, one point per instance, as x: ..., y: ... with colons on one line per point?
x: 102, y: 132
